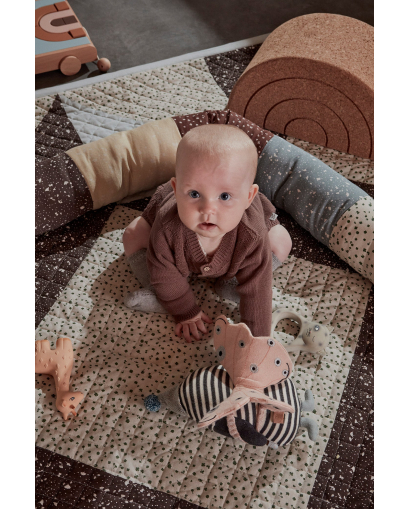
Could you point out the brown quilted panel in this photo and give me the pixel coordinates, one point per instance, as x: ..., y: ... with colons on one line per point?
x: 59, y: 252
x: 345, y: 476
x: 61, y: 190
x: 66, y: 483
x: 226, y: 68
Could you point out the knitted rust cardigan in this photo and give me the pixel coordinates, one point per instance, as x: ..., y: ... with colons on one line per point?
x: 174, y: 252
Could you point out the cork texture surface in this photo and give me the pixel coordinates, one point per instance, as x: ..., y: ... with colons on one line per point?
x: 312, y: 79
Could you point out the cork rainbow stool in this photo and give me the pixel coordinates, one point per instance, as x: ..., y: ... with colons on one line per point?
x: 61, y: 41
x: 312, y: 79
x: 59, y: 363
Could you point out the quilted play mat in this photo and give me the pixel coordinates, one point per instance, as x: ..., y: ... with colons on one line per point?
x: 116, y: 454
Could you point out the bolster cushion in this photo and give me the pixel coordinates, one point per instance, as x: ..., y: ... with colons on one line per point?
x: 128, y: 162
x: 334, y: 210
x: 104, y: 171
x: 108, y: 170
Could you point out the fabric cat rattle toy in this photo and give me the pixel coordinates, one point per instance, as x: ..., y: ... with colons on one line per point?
x: 248, y: 396
x: 59, y: 363
x: 253, y: 364
x: 313, y: 337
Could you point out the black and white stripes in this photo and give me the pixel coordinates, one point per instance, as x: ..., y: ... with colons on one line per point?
x: 282, y: 434
x: 207, y: 387
x: 204, y: 389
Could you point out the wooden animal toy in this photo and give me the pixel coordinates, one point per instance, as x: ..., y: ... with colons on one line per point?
x: 248, y: 396
x: 313, y: 337
x: 61, y: 41
x: 59, y: 363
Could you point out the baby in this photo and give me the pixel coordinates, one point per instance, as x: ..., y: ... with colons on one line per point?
x: 210, y: 221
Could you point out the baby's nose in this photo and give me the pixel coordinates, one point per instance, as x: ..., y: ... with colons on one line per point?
x: 207, y: 207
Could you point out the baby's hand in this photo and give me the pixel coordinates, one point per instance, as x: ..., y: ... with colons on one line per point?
x: 191, y: 327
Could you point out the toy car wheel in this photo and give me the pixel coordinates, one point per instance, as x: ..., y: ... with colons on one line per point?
x: 70, y: 65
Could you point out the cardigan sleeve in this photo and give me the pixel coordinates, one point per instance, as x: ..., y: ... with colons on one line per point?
x: 269, y: 212
x: 155, y: 202
x: 171, y: 287
x: 255, y: 289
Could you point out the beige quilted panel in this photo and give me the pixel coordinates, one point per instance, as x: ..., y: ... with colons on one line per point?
x: 353, y: 237
x: 42, y: 106
x: 177, y: 89
x: 122, y: 356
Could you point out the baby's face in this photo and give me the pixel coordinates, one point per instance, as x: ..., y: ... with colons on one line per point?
x: 212, y: 193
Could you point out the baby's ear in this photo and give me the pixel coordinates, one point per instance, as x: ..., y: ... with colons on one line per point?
x: 252, y: 193
x: 174, y: 184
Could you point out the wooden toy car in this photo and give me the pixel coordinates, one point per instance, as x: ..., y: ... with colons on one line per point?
x: 61, y: 41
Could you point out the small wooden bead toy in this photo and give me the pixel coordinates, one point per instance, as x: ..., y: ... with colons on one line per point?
x: 59, y: 363
x: 103, y: 64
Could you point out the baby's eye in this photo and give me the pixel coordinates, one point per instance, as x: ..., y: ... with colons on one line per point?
x: 225, y: 196
x: 194, y: 194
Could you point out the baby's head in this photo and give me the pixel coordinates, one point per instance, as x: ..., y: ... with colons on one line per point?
x: 215, y: 169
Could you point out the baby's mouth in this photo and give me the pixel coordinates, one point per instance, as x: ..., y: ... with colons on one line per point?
x: 207, y: 226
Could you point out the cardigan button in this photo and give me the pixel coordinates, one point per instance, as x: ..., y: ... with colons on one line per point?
x: 206, y: 269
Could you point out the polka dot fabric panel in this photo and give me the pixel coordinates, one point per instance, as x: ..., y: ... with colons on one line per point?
x: 353, y: 237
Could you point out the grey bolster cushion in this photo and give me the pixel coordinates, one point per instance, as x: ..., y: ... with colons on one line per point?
x: 334, y: 210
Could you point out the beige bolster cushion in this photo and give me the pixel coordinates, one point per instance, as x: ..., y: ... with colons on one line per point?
x: 352, y: 237
x: 128, y: 162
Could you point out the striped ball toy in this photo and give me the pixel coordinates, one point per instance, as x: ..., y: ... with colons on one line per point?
x: 207, y: 387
